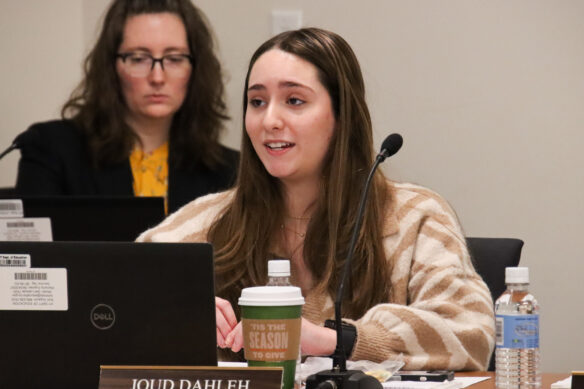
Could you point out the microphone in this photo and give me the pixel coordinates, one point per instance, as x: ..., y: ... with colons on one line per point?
x: 390, y: 146
x: 20, y: 140
x: 339, y: 377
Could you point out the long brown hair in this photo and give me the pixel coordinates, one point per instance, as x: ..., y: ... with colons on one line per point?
x: 98, y: 108
x: 243, y: 235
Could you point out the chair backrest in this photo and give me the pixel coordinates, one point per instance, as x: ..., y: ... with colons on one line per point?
x: 490, y: 257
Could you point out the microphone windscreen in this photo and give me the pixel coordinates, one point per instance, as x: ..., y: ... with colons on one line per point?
x: 23, y: 138
x: 391, y: 144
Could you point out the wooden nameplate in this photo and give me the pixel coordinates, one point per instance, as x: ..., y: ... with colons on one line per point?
x: 189, y: 377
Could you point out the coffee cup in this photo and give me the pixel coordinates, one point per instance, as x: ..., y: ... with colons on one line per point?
x: 271, y: 320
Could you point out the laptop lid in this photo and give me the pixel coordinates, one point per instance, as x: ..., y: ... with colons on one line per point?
x: 156, y: 300
x: 80, y: 218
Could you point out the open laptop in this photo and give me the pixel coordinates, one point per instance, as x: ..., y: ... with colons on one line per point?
x: 127, y: 304
x: 80, y: 218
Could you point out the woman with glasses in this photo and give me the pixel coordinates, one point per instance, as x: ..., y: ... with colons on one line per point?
x: 146, y: 118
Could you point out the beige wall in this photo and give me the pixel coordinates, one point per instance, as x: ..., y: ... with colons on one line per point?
x: 489, y: 97
x: 42, y: 51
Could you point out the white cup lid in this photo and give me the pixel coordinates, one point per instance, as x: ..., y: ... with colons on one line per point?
x: 517, y: 275
x: 271, y: 296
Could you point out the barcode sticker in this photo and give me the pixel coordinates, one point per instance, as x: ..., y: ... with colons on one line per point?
x: 26, y: 229
x: 14, y: 260
x: 30, y: 276
x: 20, y: 224
x: 11, y: 208
x: 33, y: 289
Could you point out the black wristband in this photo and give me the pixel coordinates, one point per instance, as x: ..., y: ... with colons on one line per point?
x: 349, y: 335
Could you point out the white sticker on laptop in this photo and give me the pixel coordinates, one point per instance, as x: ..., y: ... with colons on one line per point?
x: 29, y: 229
x: 14, y: 260
x: 11, y: 208
x: 33, y: 289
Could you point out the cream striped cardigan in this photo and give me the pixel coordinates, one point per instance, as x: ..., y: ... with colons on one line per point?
x: 440, y: 312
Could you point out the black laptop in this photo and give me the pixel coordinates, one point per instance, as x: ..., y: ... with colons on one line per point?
x: 127, y: 304
x: 81, y: 218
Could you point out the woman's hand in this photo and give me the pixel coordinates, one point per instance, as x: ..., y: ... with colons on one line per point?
x: 317, y: 340
x: 235, y: 338
x: 225, y: 320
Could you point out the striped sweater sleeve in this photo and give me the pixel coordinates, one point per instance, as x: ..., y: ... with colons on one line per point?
x: 190, y: 223
x: 440, y: 314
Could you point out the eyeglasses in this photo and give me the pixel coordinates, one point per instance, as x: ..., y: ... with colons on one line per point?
x: 141, y: 64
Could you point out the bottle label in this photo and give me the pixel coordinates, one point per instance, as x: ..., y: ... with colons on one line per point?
x: 517, y: 331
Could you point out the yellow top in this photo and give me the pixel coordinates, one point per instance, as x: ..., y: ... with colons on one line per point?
x: 150, y: 172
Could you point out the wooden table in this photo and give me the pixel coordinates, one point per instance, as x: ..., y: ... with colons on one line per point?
x: 547, y: 379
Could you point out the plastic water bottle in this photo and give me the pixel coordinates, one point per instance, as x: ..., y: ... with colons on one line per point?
x: 279, y: 272
x: 517, y: 334
x: 279, y: 275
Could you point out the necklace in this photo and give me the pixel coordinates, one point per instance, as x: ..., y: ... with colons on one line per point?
x: 299, y: 234
x: 298, y: 217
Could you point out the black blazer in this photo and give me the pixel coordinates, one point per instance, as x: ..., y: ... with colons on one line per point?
x: 55, y: 161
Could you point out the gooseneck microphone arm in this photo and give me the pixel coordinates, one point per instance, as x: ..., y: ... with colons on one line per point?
x: 13, y: 146
x: 339, y: 377
x: 339, y: 356
x: 389, y: 147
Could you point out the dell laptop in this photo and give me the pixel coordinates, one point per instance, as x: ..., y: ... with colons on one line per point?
x: 68, y: 307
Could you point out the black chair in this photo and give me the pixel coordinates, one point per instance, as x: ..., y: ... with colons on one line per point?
x: 490, y: 257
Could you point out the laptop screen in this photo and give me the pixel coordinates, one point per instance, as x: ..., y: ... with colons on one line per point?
x: 75, y: 218
x: 126, y: 304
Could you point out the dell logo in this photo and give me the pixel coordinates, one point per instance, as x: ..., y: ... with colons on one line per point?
x: 102, y: 317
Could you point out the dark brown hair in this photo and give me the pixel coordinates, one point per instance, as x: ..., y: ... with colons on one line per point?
x: 245, y: 233
x: 98, y: 108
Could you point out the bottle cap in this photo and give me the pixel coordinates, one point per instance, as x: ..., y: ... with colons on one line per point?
x: 279, y: 268
x: 517, y: 275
